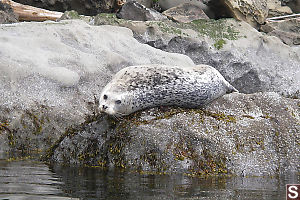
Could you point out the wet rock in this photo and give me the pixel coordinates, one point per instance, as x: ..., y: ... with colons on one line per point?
x: 7, y: 14
x: 253, y: 12
x: 132, y: 10
x: 52, y: 73
x: 247, y: 135
x: 287, y: 30
x: 185, y: 13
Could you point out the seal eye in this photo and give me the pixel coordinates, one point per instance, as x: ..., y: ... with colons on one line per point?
x: 118, y: 102
x: 105, y: 96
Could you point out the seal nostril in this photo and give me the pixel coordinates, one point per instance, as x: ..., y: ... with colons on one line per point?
x: 104, y: 107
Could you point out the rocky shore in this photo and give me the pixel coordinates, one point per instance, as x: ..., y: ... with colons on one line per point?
x: 52, y: 73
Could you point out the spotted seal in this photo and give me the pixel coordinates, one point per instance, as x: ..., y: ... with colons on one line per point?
x: 138, y: 87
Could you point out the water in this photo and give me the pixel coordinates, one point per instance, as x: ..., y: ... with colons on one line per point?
x: 33, y: 180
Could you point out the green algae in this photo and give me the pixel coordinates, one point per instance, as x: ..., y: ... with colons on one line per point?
x: 219, y: 44
x: 70, y: 132
x: 36, y: 120
x: 72, y: 14
x: 109, y: 19
x: 214, y: 29
x: 217, y: 30
x: 4, y: 126
x: 166, y: 28
x: 204, y: 164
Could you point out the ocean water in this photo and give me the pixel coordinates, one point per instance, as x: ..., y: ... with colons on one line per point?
x: 35, y: 180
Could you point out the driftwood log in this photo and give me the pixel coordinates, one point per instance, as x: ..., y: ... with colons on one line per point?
x: 30, y: 13
x: 272, y: 19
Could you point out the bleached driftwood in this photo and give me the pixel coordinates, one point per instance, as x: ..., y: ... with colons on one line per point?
x: 283, y: 17
x: 30, y: 13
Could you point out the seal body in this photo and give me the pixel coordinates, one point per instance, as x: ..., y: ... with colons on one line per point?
x: 138, y: 87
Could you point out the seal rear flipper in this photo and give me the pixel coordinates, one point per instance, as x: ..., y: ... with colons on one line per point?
x: 231, y: 89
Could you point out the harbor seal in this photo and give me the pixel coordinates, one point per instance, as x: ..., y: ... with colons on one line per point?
x: 138, y: 87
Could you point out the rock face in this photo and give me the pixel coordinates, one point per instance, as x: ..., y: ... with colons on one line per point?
x: 185, y: 13
x: 249, y: 60
x: 287, y: 30
x: 132, y: 10
x: 7, y: 14
x: 252, y: 11
x: 52, y: 73
x: 243, y: 66
x: 238, y: 134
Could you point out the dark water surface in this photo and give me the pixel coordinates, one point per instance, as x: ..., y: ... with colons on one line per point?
x: 33, y: 180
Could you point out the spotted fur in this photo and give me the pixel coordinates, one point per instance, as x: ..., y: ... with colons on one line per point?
x: 138, y: 87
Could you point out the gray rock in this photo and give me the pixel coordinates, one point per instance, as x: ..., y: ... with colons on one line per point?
x: 185, y: 13
x: 287, y: 30
x: 247, y: 135
x: 147, y: 3
x: 48, y: 97
x: 7, y: 14
x: 133, y: 10
x: 212, y: 11
x: 70, y: 15
x: 249, y: 72
x: 276, y: 9
x: 251, y: 61
x: 293, y: 4
x: 253, y: 12
x: 52, y: 73
x: 167, y: 4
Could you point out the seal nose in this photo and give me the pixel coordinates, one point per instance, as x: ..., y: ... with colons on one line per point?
x: 104, y: 107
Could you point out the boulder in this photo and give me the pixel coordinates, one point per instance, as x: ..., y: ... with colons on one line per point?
x: 185, y: 13
x: 245, y: 135
x: 133, y: 10
x: 253, y: 12
x: 287, y: 30
x: 7, y: 14
x: 167, y: 4
x: 293, y: 4
x: 52, y: 73
x: 276, y: 9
